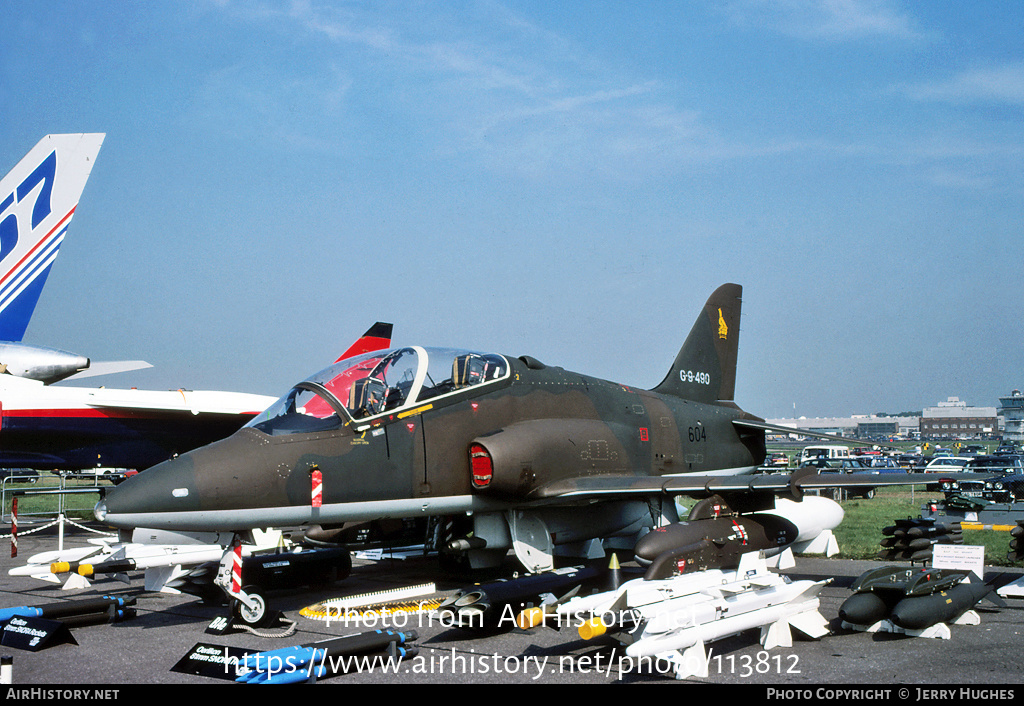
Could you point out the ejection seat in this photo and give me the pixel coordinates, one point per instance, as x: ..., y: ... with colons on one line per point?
x: 467, y: 370
x: 366, y: 397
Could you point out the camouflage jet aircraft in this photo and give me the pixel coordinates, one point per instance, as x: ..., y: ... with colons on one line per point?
x: 505, y: 452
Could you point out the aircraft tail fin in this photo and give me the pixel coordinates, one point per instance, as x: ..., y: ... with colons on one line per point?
x: 705, y: 369
x: 37, y: 200
x: 377, y: 337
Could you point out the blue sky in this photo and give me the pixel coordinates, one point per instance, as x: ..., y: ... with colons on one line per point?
x: 566, y: 180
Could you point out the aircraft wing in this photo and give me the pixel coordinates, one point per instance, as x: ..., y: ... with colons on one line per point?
x: 193, y: 401
x: 700, y: 485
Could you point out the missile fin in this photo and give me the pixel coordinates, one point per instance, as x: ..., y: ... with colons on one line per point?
x: 776, y: 634
x: 812, y: 591
x: 158, y: 578
x: 811, y: 624
x: 621, y: 603
x: 692, y: 662
x: 751, y: 563
x: 785, y: 560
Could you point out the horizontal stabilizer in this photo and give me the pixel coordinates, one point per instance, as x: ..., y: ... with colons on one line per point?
x: 110, y: 368
x: 765, y: 426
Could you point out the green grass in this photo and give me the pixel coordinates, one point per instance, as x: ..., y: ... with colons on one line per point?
x: 861, y: 530
x: 75, y: 505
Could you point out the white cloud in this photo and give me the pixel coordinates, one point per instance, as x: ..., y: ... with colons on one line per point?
x: 828, y: 20
x: 999, y: 84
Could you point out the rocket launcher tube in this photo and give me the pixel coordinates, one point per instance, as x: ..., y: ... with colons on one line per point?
x: 310, y: 673
x: 300, y: 661
x: 56, y: 611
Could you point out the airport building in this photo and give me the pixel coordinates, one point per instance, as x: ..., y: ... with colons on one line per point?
x: 1011, y: 408
x: 954, y: 419
x: 861, y: 426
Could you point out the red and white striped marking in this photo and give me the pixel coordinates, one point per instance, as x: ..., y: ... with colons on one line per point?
x: 236, y: 568
x: 317, y: 481
x: 14, y: 527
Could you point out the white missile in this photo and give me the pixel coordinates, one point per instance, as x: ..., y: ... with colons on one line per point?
x: 772, y: 609
x: 671, y: 619
x: 164, y: 564
x: 638, y: 593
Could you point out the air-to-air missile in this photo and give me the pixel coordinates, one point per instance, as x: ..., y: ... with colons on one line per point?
x: 920, y: 602
x: 267, y: 563
x: 714, y: 536
x: 165, y: 557
x: 670, y: 620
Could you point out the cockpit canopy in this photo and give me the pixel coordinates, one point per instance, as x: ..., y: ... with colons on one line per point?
x: 378, y: 383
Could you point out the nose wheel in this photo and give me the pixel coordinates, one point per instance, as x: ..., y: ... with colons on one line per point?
x: 248, y: 603
x: 251, y: 607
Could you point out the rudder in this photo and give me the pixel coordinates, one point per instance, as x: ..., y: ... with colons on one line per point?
x: 705, y: 368
x: 37, y: 200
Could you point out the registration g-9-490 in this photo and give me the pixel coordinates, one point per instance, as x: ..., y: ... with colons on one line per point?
x: 695, y: 376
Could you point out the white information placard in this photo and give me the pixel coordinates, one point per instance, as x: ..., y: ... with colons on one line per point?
x: 959, y: 556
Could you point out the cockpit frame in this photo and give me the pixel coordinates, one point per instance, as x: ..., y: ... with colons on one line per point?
x: 379, y: 386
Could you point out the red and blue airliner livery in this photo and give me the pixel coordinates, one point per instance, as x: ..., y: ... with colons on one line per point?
x: 63, y: 427
x: 36, y: 208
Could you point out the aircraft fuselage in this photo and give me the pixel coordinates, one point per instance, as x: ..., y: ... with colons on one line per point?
x: 536, y: 424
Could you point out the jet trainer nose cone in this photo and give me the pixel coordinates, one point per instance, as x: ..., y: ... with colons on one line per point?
x: 165, y: 488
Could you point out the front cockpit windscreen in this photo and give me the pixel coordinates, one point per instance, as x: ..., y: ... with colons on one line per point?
x: 377, y: 383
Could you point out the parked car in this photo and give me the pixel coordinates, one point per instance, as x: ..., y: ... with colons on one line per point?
x: 18, y: 475
x: 997, y: 489
x: 1001, y: 479
x: 910, y: 462
x: 809, y: 453
x: 1002, y: 464
x: 946, y: 464
x: 1004, y: 489
x: 777, y: 460
x: 884, y: 464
